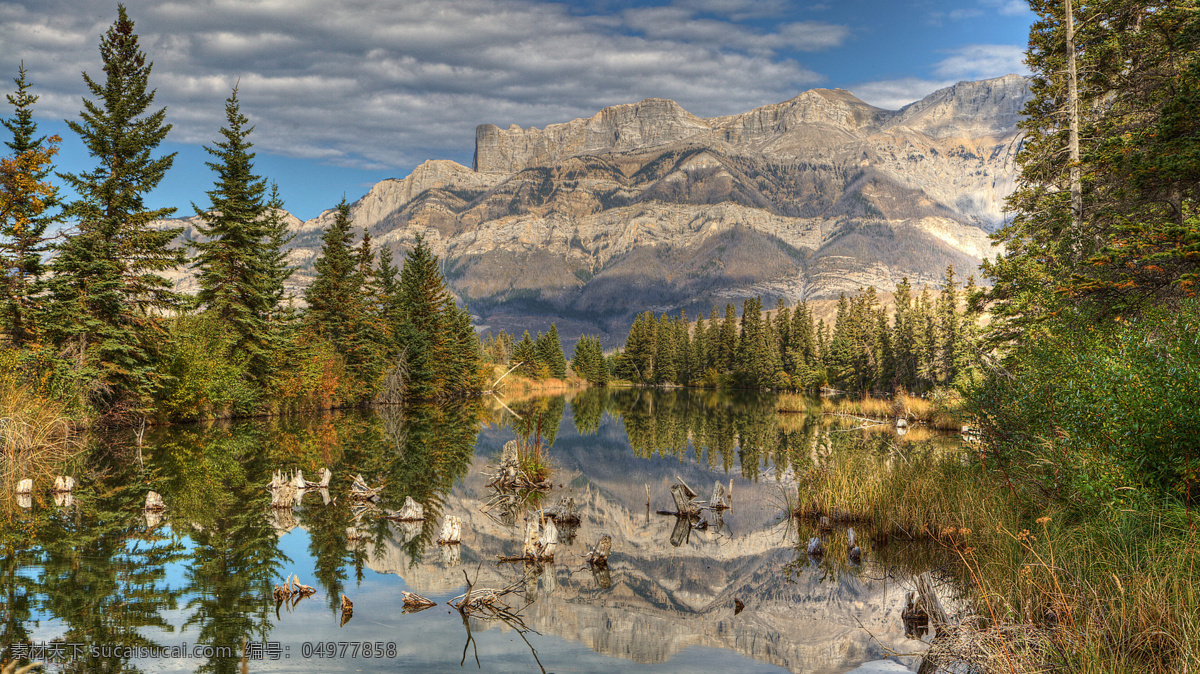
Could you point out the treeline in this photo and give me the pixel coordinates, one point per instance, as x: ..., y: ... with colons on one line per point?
x: 88, y: 314
x: 928, y: 341
x: 543, y: 358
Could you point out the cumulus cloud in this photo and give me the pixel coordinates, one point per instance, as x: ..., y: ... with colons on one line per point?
x: 383, y: 84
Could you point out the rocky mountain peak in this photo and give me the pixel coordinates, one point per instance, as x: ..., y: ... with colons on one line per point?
x: 984, y: 108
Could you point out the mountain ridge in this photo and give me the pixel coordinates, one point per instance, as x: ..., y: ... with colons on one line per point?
x: 646, y: 205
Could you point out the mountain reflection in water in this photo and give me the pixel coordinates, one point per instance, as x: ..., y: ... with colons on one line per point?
x: 100, y: 579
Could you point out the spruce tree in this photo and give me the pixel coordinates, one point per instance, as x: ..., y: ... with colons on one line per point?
x: 29, y: 204
x: 109, y: 298
x: 423, y: 301
x: 235, y: 265
x: 550, y: 353
x: 525, y: 354
x: 335, y: 284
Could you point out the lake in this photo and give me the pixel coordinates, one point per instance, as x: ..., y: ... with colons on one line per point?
x: 91, y: 582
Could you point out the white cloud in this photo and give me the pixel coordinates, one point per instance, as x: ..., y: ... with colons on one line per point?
x: 385, y: 83
x: 1007, y: 7
x: 895, y: 94
x: 969, y: 62
x: 979, y: 61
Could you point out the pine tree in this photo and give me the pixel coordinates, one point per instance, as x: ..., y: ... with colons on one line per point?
x: 29, y: 204
x: 108, y: 296
x: 728, y: 344
x: 525, y: 353
x: 550, y: 353
x: 424, y: 299
x: 235, y: 265
x: 335, y: 283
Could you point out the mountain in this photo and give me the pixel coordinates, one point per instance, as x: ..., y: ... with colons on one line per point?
x: 646, y: 205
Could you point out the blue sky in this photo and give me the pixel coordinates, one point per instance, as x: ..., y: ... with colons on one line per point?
x: 346, y: 94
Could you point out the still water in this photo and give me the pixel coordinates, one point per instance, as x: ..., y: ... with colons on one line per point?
x: 91, y: 582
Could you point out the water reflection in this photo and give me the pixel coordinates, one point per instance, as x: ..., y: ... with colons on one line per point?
x: 101, y: 573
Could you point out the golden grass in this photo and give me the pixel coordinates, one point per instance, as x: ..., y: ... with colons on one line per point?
x: 36, y: 435
x: 942, y: 409
x: 1115, y: 593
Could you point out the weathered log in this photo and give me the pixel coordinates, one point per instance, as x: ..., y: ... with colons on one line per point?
x: 598, y: 556
x: 64, y: 484
x: 25, y: 486
x: 283, y: 496
x: 929, y: 601
x: 683, y: 495
x: 815, y: 547
x: 360, y: 491
x: 154, y: 502
x: 414, y: 600
x: 717, y: 502
x: 451, y: 531
x: 411, y: 512
x: 532, y: 548
x: 549, y: 538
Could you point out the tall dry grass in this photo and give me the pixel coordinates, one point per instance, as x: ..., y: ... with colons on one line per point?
x: 941, y: 409
x: 1115, y: 592
x: 36, y: 433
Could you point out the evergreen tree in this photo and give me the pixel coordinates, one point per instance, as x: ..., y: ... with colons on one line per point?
x: 664, y: 352
x: 728, y: 343
x: 424, y: 298
x: 236, y: 266
x: 29, y: 204
x: 525, y: 353
x: 550, y: 353
x: 332, y: 292
x: 108, y: 296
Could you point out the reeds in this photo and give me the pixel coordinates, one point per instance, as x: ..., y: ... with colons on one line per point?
x: 941, y: 409
x: 1114, y: 592
x: 35, y: 432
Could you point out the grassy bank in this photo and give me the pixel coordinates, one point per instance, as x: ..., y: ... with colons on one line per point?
x: 942, y: 409
x: 1116, y: 591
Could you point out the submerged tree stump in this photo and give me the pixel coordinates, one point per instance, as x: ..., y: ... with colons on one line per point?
x: 411, y: 512
x: 451, y: 531
x: 154, y: 502
x: 64, y: 484
x: 598, y: 556
x: 25, y: 486
x: 414, y: 600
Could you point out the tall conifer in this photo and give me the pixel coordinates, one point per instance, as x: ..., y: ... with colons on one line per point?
x: 109, y: 297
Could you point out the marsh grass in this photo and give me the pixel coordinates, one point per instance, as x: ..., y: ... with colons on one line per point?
x: 36, y: 433
x: 1114, y: 592
x: 941, y: 409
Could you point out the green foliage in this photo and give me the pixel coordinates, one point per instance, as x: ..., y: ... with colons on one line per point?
x: 237, y: 267
x: 206, y: 376
x: 1102, y: 414
x: 588, y: 361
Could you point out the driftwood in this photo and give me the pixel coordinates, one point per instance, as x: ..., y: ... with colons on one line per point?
x: 412, y: 600
x: 293, y: 589
x: 815, y: 547
x: 411, y: 512
x: 510, y: 477
x: 718, y: 502
x: 598, y: 556
x: 359, y: 491
x: 451, y: 531
x: 541, y: 539
x: 64, y: 484
x: 154, y: 502
x: 929, y: 601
